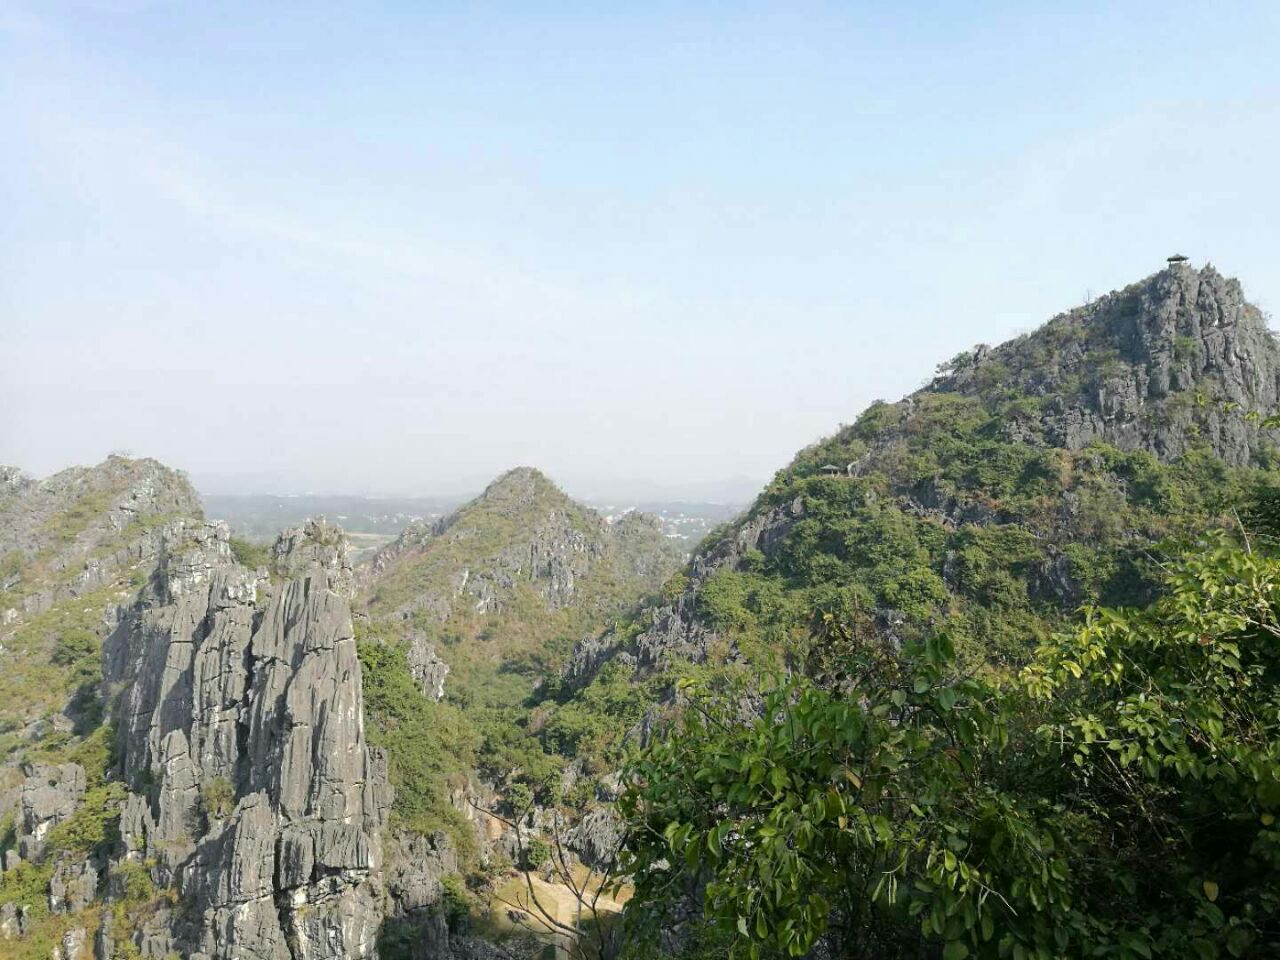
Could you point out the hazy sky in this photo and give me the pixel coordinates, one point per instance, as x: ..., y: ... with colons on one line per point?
x: 399, y: 247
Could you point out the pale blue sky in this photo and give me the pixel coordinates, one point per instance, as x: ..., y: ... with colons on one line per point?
x: 336, y: 248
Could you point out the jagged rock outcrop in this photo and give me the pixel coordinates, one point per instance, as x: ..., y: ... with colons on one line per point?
x: 74, y: 884
x: 426, y: 666
x: 13, y: 920
x: 238, y: 705
x: 72, y: 946
x: 416, y: 868
x: 48, y: 796
x: 71, y: 533
x: 596, y: 837
x: 1177, y: 360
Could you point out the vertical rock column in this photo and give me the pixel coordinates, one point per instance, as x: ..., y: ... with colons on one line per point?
x: 242, y: 739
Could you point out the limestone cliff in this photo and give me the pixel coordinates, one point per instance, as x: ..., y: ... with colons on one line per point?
x: 184, y: 769
x: 1176, y: 361
x: 238, y: 707
x: 69, y: 534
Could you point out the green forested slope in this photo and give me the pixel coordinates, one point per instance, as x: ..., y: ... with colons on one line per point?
x: 500, y: 591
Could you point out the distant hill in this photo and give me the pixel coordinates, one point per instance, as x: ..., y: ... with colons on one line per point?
x: 371, y: 522
x: 467, y: 615
x: 512, y: 579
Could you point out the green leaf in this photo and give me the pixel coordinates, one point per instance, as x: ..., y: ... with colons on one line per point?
x: 1238, y: 941
x: 1211, y: 890
x: 955, y: 950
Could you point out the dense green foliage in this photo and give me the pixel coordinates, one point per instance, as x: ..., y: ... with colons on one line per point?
x: 948, y: 523
x: 1118, y: 799
x: 503, y: 717
x: 506, y: 733
x: 429, y: 745
x: 250, y: 554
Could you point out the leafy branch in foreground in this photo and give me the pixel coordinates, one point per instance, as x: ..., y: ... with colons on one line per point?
x: 1118, y: 799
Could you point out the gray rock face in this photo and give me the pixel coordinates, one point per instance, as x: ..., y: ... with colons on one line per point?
x: 240, y: 717
x: 1178, y: 359
x: 427, y: 667
x: 49, y: 795
x: 317, y: 544
x: 74, y: 885
x: 415, y: 870
x: 13, y: 920
x: 596, y: 837
x: 85, y: 524
x: 72, y: 945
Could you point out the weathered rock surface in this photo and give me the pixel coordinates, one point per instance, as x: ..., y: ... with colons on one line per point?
x: 49, y: 795
x: 1179, y: 359
x: 426, y: 666
x: 13, y: 920
x: 74, y: 885
x: 240, y: 718
x: 73, y: 945
x: 73, y: 531
x: 416, y: 867
x: 596, y: 837
x: 253, y: 802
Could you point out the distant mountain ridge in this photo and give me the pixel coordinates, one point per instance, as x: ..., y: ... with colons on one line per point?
x: 376, y: 520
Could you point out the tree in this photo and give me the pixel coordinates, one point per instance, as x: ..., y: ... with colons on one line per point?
x: 1168, y: 720
x: 863, y: 812
x: 1116, y: 799
x: 593, y: 931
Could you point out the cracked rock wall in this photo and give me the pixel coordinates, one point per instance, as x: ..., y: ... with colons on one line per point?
x: 240, y: 722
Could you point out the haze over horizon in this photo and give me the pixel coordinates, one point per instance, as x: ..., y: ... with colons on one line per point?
x: 318, y: 248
